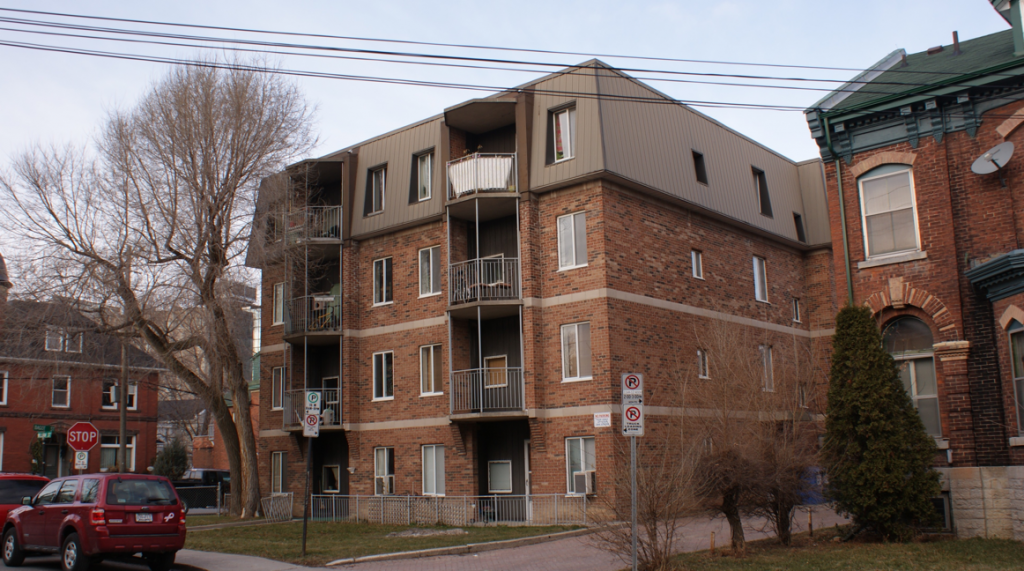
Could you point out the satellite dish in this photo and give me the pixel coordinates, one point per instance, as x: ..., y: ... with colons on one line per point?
x: 994, y: 160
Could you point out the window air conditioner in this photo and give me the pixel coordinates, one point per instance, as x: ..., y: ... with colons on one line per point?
x: 585, y: 482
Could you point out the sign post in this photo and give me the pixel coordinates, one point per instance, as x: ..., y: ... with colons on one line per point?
x: 633, y: 426
x: 311, y: 430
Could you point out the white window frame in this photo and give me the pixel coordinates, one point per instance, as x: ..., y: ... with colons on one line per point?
x: 53, y: 392
x: 428, y: 159
x: 383, y: 171
x: 115, y: 447
x: 277, y: 388
x: 703, y: 365
x: 4, y: 388
x: 1016, y: 328
x: 428, y: 368
x: 383, y: 397
x: 697, y: 264
x: 278, y: 308
x: 433, y: 451
x: 433, y: 253
x: 767, y: 368
x: 54, y: 340
x: 569, y: 474
x: 387, y: 479
x: 760, y: 279
x: 910, y: 360
x: 570, y: 114
x: 801, y: 395
x: 571, y: 237
x: 864, y: 219
x: 490, y: 488
x: 69, y: 342
x: 337, y: 470
x: 277, y: 467
x: 565, y: 369
x: 796, y: 310
x: 387, y: 296
x: 133, y: 395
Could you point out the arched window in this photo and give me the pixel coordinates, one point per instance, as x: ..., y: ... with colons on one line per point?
x: 1016, y: 331
x: 909, y: 341
x: 889, y: 210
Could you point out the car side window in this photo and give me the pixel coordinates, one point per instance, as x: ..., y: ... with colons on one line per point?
x: 67, y: 492
x: 48, y: 494
x: 90, y: 487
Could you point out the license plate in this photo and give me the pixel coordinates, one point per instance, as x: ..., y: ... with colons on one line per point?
x: 144, y: 518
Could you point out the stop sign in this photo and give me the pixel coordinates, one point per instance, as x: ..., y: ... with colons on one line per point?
x: 83, y: 436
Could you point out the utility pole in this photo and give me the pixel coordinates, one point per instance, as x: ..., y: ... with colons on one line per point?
x: 122, y: 407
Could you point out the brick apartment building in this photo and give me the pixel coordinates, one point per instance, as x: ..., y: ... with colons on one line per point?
x: 934, y: 249
x: 55, y: 371
x: 466, y: 291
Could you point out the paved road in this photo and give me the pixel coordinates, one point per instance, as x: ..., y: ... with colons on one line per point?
x: 52, y: 563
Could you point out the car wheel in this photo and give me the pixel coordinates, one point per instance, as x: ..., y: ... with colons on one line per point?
x: 160, y: 561
x: 13, y: 554
x: 71, y: 556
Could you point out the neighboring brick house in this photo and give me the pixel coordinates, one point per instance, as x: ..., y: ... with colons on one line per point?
x: 934, y: 249
x: 464, y: 315
x: 56, y: 371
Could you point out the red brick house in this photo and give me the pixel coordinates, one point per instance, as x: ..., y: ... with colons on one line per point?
x: 934, y: 249
x: 56, y: 371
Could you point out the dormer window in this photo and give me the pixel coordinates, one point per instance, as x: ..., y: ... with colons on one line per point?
x: 60, y: 340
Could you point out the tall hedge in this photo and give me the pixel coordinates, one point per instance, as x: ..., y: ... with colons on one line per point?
x: 876, y: 453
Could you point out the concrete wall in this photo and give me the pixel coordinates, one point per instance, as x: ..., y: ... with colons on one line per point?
x: 986, y: 501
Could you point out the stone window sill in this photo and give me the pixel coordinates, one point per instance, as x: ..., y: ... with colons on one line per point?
x: 894, y: 259
x: 1017, y: 441
x: 941, y: 444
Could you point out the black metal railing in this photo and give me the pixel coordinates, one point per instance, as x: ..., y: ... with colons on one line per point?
x: 483, y: 279
x: 486, y: 390
x: 295, y: 407
x: 313, y: 314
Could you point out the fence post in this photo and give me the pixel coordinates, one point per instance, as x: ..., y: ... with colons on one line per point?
x: 408, y: 510
x: 218, y: 498
x: 584, y: 510
x: 357, y: 509
x: 556, y: 509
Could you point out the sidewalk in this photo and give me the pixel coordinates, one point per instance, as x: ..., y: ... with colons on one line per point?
x: 581, y: 553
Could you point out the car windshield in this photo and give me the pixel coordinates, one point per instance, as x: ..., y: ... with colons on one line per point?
x: 140, y: 493
x: 12, y: 491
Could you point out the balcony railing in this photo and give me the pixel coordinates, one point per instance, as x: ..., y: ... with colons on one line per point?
x: 481, y: 172
x: 487, y: 390
x: 313, y: 314
x: 295, y: 407
x: 314, y: 224
x: 535, y: 509
x: 483, y: 279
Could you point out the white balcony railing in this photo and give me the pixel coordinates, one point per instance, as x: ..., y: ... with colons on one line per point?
x: 487, y: 390
x: 314, y: 224
x: 481, y: 172
x: 483, y: 279
x: 534, y: 509
x: 295, y: 408
x: 313, y: 314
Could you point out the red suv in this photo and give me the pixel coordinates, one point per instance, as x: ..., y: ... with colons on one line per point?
x: 94, y: 516
x: 14, y: 487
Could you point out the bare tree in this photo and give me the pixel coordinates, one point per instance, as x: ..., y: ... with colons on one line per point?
x: 151, y: 231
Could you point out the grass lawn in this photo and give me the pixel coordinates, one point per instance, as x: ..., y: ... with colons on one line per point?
x: 330, y: 541
x: 824, y: 555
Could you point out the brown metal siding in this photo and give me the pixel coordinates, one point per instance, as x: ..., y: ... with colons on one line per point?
x: 812, y: 187
x: 588, y: 133
x: 397, y: 150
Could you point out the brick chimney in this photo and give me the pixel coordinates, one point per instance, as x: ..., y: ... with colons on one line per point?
x: 1010, y: 10
x: 5, y: 285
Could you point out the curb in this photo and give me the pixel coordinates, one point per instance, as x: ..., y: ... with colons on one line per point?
x: 463, y: 549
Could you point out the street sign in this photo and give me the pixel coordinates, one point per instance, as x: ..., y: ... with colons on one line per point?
x: 633, y: 420
x: 312, y: 402
x: 602, y: 419
x: 43, y: 431
x: 632, y: 426
x: 81, y: 460
x: 632, y: 383
x: 311, y: 425
x: 83, y: 436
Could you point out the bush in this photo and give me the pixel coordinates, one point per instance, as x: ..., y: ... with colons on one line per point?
x: 876, y: 453
x: 172, y: 461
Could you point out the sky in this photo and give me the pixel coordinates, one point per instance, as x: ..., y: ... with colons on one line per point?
x: 59, y: 98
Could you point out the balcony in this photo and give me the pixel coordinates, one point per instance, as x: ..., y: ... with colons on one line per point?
x: 483, y: 279
x: 482, y: 173
x: 295, y: 408
x: 317, y: 227
x: 490, y: 390
x: 314, y: 316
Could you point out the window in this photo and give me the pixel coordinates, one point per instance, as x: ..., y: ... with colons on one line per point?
x: 66, y: 495
x: 90, y: 488
x: 801, y: 395
x: 499, y: 477
x: 909, y: 341
x: 330, y: 482
x: 433, y: 470
x: 3, y: 388
x: 496, y: 371
x: 109, y: 446
x: 1017, y: 354
x: 430, y: 370
x: 579, y: 457
x: 760, y: 280
x: 423, y: 177
x: 384, y: 471
x: 563, y: 135
x: 111, y: 392
x: 383, y: 375
x: 382, y: 281
x: 699, y: 168
x: 796, y: 310
x: 572, y: 241
x: 764, y: 201
x: 889, y: 214
x: 376, y: 183
x: 798, y: 221
x: 278, y: 304
x: 60, y: 340
x: 48, y: 494
x: 73, y: 342
x: 576, y: 352
x: 767, y: 372
x: 277, y: 390
x: 61, y: 395
x: 702, y: 364
x: 2, y: 452
x: 430, y: 271
x: 278, y: 464
x: 697, y: 263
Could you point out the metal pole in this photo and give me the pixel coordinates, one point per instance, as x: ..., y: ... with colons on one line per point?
x: 632, y: 478
x: 480, y: 355
x: 218, y: 498
x: 122, y: 405
x: 305, y: 497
